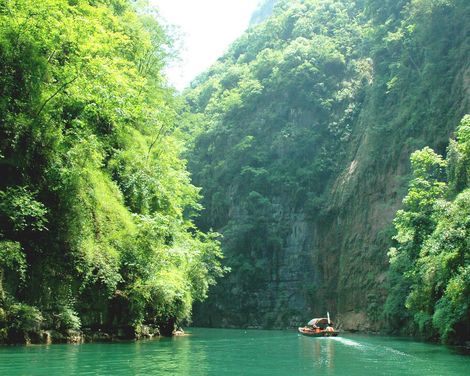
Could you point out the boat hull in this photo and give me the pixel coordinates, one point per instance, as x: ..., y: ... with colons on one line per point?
x: 322, y: 333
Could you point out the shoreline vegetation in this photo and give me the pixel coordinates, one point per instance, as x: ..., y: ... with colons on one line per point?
x: 88, y: 335
x: 96, y: 204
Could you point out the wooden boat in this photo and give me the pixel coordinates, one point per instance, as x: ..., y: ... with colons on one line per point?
x: 310, y: 332
x: 321, y: 327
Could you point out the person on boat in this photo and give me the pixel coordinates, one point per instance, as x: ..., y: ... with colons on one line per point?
x: 329, y: 328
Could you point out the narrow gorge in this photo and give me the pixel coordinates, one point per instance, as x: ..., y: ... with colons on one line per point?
x: 307, y: 125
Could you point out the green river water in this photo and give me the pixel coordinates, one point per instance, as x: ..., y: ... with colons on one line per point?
x: 239, y: 352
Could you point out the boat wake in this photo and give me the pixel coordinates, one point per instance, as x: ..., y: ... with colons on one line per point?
x: 347, y: 342
x: 396, y: 352
x: 361, y: 346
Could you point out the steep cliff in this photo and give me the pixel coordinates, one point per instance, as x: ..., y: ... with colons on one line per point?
x: 307, y: 125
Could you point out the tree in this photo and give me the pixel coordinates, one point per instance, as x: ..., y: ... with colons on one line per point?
x: 430, y: 266
x: 96, y: 208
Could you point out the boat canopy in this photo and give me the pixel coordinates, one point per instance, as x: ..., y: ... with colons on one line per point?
x: 318, y: 323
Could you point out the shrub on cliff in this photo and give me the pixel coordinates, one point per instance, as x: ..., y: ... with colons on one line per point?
x: 431, y: 263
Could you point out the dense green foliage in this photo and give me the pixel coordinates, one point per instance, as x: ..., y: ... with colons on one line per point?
x: 277, y: 111
x: 431, y: 264
x: 300, y: 137
x: 96, y: 205
x: 305, y: 130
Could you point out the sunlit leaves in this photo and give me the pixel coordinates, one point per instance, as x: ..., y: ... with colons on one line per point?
x: 21, y: 209
x: 12, y: 258
x: 87, y: 121
x: 433, y: 255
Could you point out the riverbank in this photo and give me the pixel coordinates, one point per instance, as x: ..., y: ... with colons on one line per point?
x: 87, y: 335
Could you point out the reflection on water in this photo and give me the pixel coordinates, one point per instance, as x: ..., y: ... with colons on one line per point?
x: 324, y: 353
x: 320, y: 352
x: 214, y: 352
x: 174, y: 356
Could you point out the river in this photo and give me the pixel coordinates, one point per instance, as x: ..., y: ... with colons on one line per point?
x: 239, y: 352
